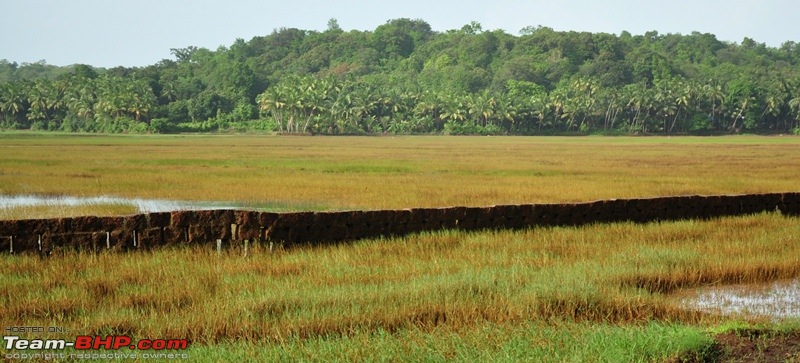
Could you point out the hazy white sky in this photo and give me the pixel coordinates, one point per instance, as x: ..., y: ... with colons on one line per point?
x: 110, y: 33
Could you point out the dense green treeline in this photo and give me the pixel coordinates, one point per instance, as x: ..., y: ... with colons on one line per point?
x: 405, y: 78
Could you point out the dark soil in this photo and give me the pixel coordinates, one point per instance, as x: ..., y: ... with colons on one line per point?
x: 751, y: 345
x: 759, y: 346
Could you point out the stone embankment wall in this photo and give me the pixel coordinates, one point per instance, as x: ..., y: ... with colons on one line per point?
x: 232, y: 227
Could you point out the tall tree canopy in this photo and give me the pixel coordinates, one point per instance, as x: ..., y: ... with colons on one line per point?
x: 404, y: 77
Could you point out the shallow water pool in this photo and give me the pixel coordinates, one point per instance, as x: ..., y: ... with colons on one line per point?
x: 29, y: 206
x: 777, y: 300
x: 140, y: 204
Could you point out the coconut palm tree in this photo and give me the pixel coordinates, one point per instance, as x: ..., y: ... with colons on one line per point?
x: 39, y: 97
x: 271, y: 102
x: 715, y: 95
x: 12, y: 101
x: 794, y: 106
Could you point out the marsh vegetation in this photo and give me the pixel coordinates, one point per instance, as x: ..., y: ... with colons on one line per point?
x: 597, y: 292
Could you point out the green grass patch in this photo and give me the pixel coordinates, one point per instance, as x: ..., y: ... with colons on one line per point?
x: 528, y: 342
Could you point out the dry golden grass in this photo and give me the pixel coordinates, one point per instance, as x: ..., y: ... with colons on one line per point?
x: 546, y: 294
x: 47, y: 211
x: 612, y: 273
x: 394, y: 172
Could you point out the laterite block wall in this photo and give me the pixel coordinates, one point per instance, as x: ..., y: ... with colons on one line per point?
x: 144, y: 231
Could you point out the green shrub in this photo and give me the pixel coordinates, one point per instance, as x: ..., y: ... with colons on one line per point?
x: 161, y: 126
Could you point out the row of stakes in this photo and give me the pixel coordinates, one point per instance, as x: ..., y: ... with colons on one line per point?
x: 219, y: 243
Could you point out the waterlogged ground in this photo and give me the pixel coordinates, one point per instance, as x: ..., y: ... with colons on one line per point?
x: 140, y: 204
x: 53, y: 206
x: 777, y: 300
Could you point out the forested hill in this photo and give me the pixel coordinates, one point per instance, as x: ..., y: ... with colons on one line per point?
x: 405, y: 78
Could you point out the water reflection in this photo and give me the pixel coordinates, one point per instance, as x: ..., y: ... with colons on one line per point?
x: 778, y: 300
x: 141, y: 204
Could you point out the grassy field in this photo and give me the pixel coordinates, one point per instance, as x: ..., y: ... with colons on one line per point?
x: 594, y: 293
x: 394, y: 172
